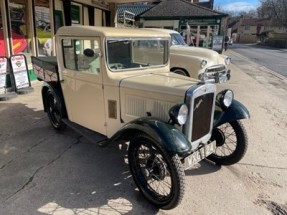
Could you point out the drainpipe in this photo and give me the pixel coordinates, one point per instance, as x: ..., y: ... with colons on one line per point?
x: 53, y: 23
x: 32, y: 26
x: 67, y: 12
x: 197, y: 35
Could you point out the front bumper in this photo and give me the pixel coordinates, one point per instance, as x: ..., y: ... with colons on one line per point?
x: 220, y: 77
x: 215, y: 76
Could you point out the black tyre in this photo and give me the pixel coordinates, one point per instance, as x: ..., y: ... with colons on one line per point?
x: 231, y: 141
x: 54, y: 110
x: 180, y: 72
x: 159, y: 176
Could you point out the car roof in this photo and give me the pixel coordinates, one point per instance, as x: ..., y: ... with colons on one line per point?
x: 109, y: 32
x: 163, y: 30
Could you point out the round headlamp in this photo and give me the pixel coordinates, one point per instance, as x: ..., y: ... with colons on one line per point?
x: 227, y: 60
x: 178, y: 114
x: 202, y: 76
x: 226, y: 98
x: 203, y: 64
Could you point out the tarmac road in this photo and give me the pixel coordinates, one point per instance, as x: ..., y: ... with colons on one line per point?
x: 46, y: 172
x: 272, y: 58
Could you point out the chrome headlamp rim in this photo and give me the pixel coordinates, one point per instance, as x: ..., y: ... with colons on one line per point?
x: 203, y: 63
x: 179, y: 114
x: 227, y: 60
x: 202, y: 76
x: 225, y: 98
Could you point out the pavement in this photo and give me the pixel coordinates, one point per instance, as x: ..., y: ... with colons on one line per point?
x: 46, y: 172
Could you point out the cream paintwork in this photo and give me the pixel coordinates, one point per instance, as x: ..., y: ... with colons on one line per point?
x: 87, y: 95
x: 84, y: 99
x: 103, y: 32
x: 189, y: 58
x: 148, y: 93
x: 83, y: 95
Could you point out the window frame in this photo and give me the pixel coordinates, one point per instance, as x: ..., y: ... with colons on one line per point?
x: 72, y: 44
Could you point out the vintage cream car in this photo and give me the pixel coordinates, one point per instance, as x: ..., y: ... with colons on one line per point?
x: 202, y: 63
x: 111, y: 85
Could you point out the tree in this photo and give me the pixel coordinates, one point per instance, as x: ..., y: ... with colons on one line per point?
x: 274, y: 9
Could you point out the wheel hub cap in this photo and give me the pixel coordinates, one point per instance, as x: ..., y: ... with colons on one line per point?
x: 218, y: 136
x: 156, y: 168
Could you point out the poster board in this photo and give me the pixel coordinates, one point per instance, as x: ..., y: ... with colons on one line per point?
x: 3, y: 74
x: 6, y: 92
x: 217, y: 43
x: 20, y: 71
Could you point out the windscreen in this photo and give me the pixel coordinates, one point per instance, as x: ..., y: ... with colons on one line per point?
x: 176, y: 39
x: 130, y: 54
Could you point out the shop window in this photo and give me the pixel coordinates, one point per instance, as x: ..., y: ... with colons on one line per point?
x: 20, y: 26
x: 2, y: 43
x: 43, y: 28
x: 76, y: 14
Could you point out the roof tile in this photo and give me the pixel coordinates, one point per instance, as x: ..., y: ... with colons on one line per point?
x: 179, y: 8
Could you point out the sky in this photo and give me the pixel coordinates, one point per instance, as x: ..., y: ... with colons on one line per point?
x: 237, y: 5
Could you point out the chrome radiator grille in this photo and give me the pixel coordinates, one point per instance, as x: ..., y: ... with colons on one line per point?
x: 215, y: 69
x: 202, y: 111
x: 201, y: 102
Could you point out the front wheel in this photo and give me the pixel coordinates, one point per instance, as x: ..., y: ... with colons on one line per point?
x: 159, y: 176
x: 231, y: 143
x: 180, y: 72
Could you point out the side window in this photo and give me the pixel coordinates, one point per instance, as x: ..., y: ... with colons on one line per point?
x: 81, y: 55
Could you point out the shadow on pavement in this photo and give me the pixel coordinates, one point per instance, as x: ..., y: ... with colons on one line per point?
x: 47, y: 172
x: 203, y: 168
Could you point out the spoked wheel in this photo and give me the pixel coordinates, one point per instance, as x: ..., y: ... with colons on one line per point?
x: 180, y: 72
x: 159, y: 176
x: 231, y: 143
x: 54, y: 111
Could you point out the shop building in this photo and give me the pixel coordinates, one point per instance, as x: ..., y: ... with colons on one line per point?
x: 28, y: 26
x: 199, y: 21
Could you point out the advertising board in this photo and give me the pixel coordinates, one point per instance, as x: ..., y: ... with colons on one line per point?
x: 217, y: 43
x: 3, y: 73
x: 20, y: 71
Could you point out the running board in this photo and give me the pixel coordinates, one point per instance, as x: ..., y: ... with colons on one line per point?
x: 92, y: 136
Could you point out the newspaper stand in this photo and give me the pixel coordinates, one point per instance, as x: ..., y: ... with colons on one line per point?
x: 20, y: 74
x: 5, y: 93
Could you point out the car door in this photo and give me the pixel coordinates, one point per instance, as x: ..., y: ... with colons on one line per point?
x: 82, y: 83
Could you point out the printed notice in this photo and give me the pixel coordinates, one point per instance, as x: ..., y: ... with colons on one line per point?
x: 3, y: 71
x: 217, y: 43
x: 19, y: 68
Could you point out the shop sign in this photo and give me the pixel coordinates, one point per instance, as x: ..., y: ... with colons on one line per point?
x: 210, y: 21
x: 3, y: 73
x: 20, y: 71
